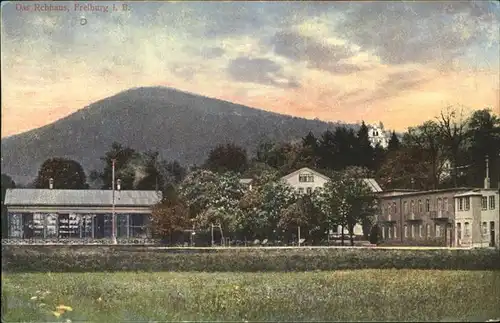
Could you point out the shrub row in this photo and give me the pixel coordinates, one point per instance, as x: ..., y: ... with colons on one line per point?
x: 107, y: 258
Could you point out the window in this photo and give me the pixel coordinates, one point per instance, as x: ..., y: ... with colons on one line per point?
x: 406, y: 231
x: 306, y: 178
x: 466, y: 229
x: 413, y: 231
x: 38, y: 225
x: 122, y: 225
x: 301, y: 190
x: 460, y: 204
x: 137, y: 225
x: 394, y: 208
x: 383, y: 232
x: 427, y: 205
x: 86, y: 225
x: 51, y: 230
x: 459, y: 230
x: 395, y: 230
x: 389, y: 232
x: 412, y: 206
x: 420, y: 206
x: 420, y: 229
x: 484, y: 202
x: 405, y: 207
x: 485, y: 228
x: 309, y: 190
x: 437, y: 230
x: 467, y: 203
x: 428, y: 230
x: 15, y: 225
x: 440, y: 204
x: 445, y: 204
x: 492, y: 202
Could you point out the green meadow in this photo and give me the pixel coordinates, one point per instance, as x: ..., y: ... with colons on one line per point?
x: 350, y: 295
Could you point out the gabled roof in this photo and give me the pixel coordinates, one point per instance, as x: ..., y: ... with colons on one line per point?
x: 305, y: 169
x: 54, y: 197
x: 370, y: 182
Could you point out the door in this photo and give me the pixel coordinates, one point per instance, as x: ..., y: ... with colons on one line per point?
x: 492, y: 234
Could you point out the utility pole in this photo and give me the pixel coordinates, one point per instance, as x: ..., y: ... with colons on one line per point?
x: 113, y: 224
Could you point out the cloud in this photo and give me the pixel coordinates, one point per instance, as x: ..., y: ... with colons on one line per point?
x: 394, y: 85
x: 419, y: 32
x: 318, y: 55
x: 259, y: 70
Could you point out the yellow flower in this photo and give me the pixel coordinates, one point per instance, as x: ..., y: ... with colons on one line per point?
x: 64, y: 308
x: 236, y: 287
x: 33, y: 297
x: 99, y: 299
x: 56, y: 314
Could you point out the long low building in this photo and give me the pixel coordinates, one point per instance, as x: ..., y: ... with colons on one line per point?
x: 456, y: 217
x: 53, y: 214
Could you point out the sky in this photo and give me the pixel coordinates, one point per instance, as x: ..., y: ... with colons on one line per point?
x: 396, y: 62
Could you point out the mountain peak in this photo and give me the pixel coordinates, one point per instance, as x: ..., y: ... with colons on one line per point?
x: 182, y: 126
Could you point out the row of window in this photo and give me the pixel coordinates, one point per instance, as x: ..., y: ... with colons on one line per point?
x: 416, y: 231
x: 442, y: 205
x: 484, y: 202
x: 309, y: 190
x: 41, y: 226
x: 413, y: 231
x: 306, y: 178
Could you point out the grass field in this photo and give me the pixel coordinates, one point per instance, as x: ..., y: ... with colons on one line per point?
x: 363, y: 295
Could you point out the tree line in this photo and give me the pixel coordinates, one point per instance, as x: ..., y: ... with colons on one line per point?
x: 447, y: 151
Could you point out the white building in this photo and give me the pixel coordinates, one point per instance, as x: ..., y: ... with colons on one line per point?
x: 477, y: 218
x: 306, y: 180
x: 378, y: 135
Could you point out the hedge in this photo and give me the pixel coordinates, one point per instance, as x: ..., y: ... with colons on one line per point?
x: 121, y: 258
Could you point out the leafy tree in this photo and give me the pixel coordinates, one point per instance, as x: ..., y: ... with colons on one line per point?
x: 483, y: 137
x: 394, y: 142
x: 346, y: 201
x: 152, y: 178
x: 170, y: 217
x: 227, y: 158
x: 7, y: 183
x: 66, y: 173
x: 213, y: 198
x: 406, y: 168
x: 263, y: 205
x: 172, y: 172
x: 128, y: 167
x: 257, y: 169
x: 197, y: 190
x: 304, y: 213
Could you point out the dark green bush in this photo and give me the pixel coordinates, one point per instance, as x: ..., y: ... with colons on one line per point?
x: 107, y: 258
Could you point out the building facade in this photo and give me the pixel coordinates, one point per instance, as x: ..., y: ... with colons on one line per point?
x: 378, y: 136
x: 477, y: 218
x: 52, y: 214
x: 448, y: 217
x: 306, y: 180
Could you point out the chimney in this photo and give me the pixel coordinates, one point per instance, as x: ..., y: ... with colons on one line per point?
x: 51, y: 183
x: 118, y: 184
x: 487, y: 178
